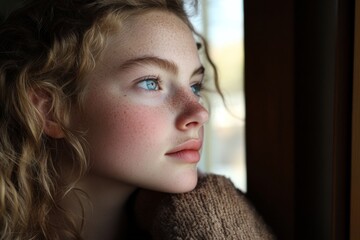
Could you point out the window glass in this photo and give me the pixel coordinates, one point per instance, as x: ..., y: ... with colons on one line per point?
x: 221, y: 23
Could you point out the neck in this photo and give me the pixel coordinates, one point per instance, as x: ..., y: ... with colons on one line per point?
x: 105, y: 216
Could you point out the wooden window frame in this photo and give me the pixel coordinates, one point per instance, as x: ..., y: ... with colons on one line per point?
x: 355, y: 164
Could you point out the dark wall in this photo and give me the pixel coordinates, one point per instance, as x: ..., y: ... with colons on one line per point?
x: 323, y: 95
x: 298, y: 78
x: 269, y: 92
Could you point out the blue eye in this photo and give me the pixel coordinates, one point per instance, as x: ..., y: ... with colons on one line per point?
x: 196, y: 89
x: 149, y: 84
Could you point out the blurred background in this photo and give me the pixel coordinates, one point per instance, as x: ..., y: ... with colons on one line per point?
x: 221, y: 23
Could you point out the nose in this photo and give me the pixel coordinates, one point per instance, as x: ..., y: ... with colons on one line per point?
x: 192, y: 115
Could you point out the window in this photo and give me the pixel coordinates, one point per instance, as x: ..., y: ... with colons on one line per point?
x: 221, y: 23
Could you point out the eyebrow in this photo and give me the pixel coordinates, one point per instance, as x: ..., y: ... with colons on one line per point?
x: 162, y: 63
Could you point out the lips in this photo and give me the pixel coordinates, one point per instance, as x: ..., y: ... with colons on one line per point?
x: 187, y: 151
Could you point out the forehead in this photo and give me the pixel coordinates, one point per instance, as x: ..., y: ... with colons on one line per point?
x: 152, y: 33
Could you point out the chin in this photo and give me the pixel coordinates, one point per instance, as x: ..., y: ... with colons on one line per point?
x: 177, y: 182
x: 183, y: 184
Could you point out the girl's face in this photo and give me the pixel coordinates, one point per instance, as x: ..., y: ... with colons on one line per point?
x: 142, y: 113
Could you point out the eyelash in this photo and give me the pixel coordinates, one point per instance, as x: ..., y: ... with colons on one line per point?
x: 199, y: 86
x: 196, y: 88
x: 154, y: 79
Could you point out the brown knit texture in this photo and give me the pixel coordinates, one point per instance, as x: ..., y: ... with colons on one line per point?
x: 215, y: 209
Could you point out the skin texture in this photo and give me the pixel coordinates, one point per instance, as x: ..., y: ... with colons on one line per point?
x: 133, y: 125
x: 130, y: 128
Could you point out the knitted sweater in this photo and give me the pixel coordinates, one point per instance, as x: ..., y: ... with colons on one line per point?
x: 215, y: 209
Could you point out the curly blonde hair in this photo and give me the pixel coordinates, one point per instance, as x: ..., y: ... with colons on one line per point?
x: 48, y: 46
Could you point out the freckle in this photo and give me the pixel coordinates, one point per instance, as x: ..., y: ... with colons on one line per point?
x: 181, y: 98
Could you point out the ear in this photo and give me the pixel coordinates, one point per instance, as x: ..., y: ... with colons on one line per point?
x: 42, y: 102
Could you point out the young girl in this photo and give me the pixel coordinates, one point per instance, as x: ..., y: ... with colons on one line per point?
x: 101, y: 99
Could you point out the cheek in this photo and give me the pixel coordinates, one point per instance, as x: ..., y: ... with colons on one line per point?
x: 126, y: 131
x: 135, y: 124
